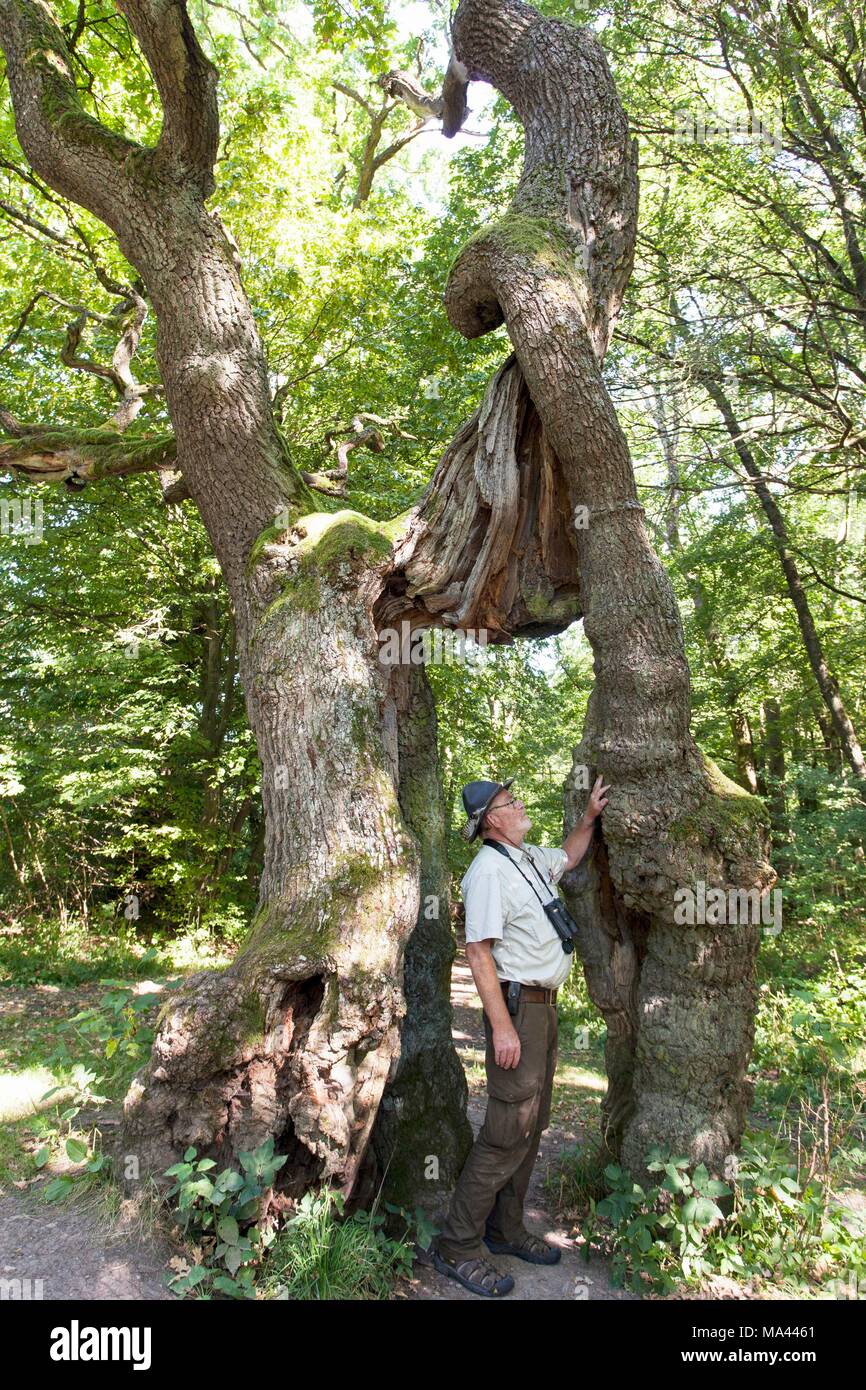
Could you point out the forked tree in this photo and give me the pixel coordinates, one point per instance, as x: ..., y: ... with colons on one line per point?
x: 531, y: 520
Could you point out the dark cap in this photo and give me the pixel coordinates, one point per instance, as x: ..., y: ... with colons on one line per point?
x: 477, y: 797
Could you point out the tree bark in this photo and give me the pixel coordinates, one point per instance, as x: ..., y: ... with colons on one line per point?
x: 679, y: 1003
x: 417, y: 1148
x: 531, y: 517
x: 295, y: 1040
x: 741, y: 734
x: 774, y: 769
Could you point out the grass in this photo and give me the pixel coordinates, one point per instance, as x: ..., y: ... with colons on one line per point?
x: 809, y: 1067
x: 322, y: 1255
x: 809, y: 1113
x: 42, y: 952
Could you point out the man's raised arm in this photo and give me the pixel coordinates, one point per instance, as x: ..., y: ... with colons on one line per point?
x: 577, y: 843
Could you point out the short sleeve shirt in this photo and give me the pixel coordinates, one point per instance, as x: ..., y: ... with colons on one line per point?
x: 500, y: 905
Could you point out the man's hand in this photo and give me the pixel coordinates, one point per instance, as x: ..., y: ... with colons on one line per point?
x: 597, y: 801
x: 578, y: 842
x: 506, y: 1046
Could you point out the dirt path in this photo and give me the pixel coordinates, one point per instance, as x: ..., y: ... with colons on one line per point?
x: 70, y: 1250
x: 572, y: 1277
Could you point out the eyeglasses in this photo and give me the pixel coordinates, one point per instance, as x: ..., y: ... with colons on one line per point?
x: 503, y: 805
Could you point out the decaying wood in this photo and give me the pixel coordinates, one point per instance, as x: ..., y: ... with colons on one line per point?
x: 490, y: 547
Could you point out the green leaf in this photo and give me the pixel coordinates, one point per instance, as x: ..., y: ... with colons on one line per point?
x: 228, y: 1230
x: 179, y: 1170
x: 229, y: 1181
x: 58, y: 1188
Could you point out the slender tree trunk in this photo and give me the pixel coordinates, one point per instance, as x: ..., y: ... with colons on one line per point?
x: 830, y: 743
x: 740, y: 730
x: 774, y: 768
x: 824, y: 677
x: 744, y: 745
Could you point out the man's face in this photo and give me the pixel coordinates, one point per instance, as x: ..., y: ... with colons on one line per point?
x: 507, y: 816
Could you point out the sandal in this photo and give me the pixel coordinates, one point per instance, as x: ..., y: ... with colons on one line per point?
x: 531, y: 1248
x: 477, y: 1275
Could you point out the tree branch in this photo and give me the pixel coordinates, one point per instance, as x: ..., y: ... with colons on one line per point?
x: 187, y: 84
x: 81, y: 158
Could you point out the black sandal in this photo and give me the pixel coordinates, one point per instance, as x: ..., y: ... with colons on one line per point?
x: 532, y: 1249
x: 477, y: 1275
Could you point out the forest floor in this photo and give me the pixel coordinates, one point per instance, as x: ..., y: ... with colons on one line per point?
x: 81, y: 1248
x: 97, y: 1247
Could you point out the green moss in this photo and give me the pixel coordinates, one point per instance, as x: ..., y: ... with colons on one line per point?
x: 303, y: 593
x: 101, y: 449
x: 271, y: 535
x: 365, y: 728
x: 326, y: 540
x: 332, y: 538
x: 280, y: 934
x: 252, y: 1018
x: 538, y: 237
x: 549, y: 609
x: 727, y: 814
x: 394, y: 528
x: 274, y: 939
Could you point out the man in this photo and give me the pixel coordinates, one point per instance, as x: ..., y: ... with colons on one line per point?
x: 509, y: 938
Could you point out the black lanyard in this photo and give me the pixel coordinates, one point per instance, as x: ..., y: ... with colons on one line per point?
x: 500, y: 849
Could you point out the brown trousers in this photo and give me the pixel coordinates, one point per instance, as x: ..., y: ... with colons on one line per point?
x: 490, y: 1192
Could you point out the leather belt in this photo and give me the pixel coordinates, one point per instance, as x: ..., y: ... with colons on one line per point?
x: 532, y: 993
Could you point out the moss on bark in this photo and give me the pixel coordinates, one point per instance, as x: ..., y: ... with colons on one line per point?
x: 728, y: 815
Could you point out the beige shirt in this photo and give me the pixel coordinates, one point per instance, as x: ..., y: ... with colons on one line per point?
x: 500, y: 905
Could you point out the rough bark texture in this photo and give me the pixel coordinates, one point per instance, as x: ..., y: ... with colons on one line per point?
x: 490, y: 546
x: 297, y: 1038
x: 679, y: 1002
x: 417, y: 1147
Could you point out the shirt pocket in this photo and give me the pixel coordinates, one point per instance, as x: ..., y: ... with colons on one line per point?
x: 542, y: 928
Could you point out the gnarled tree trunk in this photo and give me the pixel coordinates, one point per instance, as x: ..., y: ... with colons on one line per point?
x: 679, y: 1001
x: 530, y: 519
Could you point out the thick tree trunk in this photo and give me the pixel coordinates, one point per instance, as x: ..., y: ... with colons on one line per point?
x: 422, y: 1134
x: 679, y: 1002
x: 295, y: 1041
